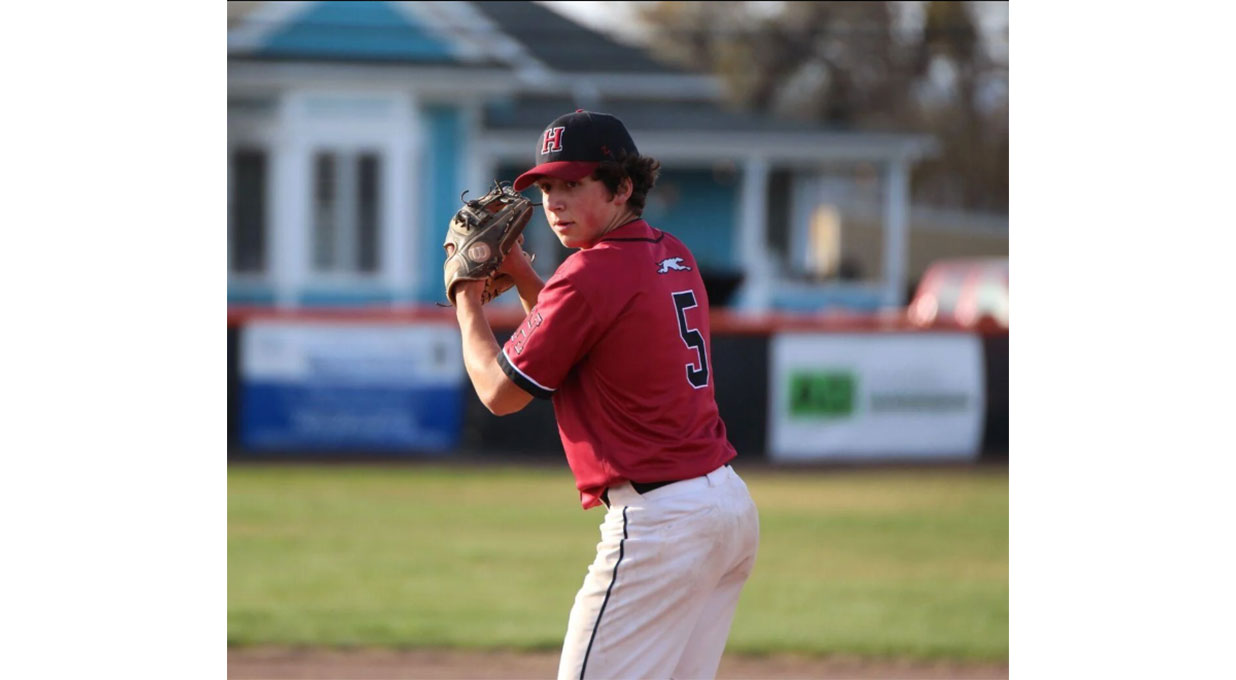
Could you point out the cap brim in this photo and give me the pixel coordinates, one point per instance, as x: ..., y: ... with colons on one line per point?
x: 571, y: 171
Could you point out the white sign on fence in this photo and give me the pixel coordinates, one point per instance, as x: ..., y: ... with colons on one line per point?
x: 875, y: 396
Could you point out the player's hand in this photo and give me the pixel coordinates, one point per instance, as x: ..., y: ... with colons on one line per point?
x: 517, y: 263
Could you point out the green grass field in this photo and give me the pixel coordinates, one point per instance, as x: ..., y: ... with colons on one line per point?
x: 877, y: 563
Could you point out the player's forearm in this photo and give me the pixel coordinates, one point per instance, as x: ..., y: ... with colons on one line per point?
x: 480, y: 347
x: 527, y: 282
x: 529, y: 289
x: 480, y: 354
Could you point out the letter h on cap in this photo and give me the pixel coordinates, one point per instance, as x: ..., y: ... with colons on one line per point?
x: 552, y: 141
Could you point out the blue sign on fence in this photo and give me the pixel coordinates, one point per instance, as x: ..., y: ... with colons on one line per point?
x: 354, y: 387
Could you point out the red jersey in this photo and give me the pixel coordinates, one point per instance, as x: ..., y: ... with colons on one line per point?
x: 619, y: 339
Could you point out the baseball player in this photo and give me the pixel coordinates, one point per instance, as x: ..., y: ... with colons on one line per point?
x: 618, y: 339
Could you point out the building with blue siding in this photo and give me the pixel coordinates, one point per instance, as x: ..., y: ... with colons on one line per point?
x: 353, y: 128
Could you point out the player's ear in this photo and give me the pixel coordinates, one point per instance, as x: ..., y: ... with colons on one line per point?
x: 625, y: 187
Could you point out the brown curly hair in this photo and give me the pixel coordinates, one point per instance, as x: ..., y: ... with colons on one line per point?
x: 641, y: 170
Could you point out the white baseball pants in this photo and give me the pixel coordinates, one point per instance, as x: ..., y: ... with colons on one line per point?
x: 659, y: 598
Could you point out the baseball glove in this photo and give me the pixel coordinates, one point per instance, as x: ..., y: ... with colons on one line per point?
x: 479, y: 237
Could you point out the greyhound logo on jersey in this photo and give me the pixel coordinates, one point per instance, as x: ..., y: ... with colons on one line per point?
x: 673, y: 264
x: 552, y: 142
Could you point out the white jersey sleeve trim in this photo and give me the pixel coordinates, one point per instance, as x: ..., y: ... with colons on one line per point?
x: 525, y: 375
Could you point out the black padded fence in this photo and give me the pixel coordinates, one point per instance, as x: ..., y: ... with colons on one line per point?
x: 740, y: 363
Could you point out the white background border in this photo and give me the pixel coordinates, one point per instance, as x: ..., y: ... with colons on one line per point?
x: 115, y: 540
x: 1121, y: 374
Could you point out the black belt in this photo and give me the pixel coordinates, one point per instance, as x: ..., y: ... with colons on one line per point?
x: 640, y: 487
x: 643, y: 487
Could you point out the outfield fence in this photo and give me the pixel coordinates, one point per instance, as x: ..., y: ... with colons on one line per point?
x: 389, y: 383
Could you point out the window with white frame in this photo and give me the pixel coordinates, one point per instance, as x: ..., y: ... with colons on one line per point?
x: 247, y: 213
x: 346, y: 215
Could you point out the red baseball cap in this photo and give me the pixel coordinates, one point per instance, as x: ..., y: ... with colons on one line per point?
x: 574, y: 145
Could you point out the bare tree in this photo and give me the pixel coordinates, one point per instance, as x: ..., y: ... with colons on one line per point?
x: 860, y: 65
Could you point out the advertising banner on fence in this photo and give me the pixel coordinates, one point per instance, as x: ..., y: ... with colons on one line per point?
x: 875, y: 396
x: 354, y: 387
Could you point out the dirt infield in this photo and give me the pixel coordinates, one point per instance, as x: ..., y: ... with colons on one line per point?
x: 270, y: 663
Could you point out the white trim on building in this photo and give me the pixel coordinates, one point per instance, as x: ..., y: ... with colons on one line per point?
x: 262, y: 22
x: 429, y: 81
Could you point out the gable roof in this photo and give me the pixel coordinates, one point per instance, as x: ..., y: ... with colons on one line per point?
x: 544, y: 50
x: 565, y: 46
x: 365, y: 30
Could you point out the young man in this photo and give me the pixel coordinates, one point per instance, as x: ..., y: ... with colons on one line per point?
x: 618, y: 338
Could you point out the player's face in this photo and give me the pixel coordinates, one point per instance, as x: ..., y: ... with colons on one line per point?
x: 581, y: 212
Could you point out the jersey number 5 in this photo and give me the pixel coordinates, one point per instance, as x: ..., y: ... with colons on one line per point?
x: 693, y: 339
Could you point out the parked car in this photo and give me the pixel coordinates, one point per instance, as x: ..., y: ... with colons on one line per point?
x: 969, y: 292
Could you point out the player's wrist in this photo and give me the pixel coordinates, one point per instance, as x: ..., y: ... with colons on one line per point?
x: 469, y: 293
x: 525, y: 275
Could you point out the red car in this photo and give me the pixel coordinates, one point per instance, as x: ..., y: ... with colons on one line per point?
x: 970, y: 292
